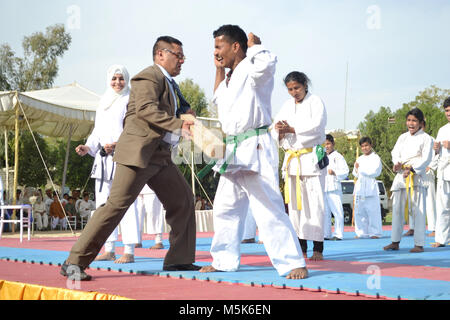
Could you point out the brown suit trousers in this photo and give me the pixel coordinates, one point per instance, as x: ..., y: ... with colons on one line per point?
x: 172, y: 190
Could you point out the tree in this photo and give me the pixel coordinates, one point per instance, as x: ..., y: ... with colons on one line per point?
x: 78, y: 168
x: 385, y: 126
x: 195, y: 96
x: 36, y: 70
x: 39, y: 66
x: 31, y: 169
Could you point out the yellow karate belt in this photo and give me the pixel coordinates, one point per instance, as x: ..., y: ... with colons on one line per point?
x: 294, y: 154
x: 409, y: 182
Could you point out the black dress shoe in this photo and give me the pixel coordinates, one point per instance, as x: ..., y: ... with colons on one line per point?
x: 74, y: 272
x: 181, y: 267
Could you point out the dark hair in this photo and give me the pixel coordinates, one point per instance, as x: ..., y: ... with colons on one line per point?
x: 330, y: 138
x: 364, y: 140
x: 299, y: 77
x: 447, y: 103
x: 164, y: 39
x: 234, y: 34
x: 416, y: 112
x: 85, y: 194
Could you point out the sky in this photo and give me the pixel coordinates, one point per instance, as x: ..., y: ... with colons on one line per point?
x: 391, y: 49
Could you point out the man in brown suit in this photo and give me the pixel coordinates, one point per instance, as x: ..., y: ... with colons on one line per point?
x: 143, y: 156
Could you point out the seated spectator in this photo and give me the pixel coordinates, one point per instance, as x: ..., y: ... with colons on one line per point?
x: 86, y: 206
x: 39, y: 213
x: 57, y: 213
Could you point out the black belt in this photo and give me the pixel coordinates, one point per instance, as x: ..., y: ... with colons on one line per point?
x: 103, y: 154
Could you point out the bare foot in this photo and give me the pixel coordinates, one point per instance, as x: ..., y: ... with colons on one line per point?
x: 157, y: 246
x: 374, y: 237
x: 208, y: 269
x: 126, y: 258
x: 416, y: 249
x: 107, y: 256
x: 260, y: 242
x: 250, y: 240
x: 409, y: 233
x: 317, y: 256
x: 138, y: 245
x: 431, y: 234
x: 437, y: 245
x: 299, y: 273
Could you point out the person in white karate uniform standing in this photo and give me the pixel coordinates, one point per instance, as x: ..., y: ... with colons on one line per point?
x: 442, y: 149
x: 300, y: 125
x: 148, y: 205
x: 248, y: 174
x: 367, y: 209
x: 411, y: 155
x: 100, y: 144
x: 337, y: 171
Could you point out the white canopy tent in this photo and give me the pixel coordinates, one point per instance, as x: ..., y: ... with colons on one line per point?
x: 67, y: 111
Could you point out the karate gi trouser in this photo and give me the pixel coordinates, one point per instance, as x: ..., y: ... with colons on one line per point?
x: 149, y: 205
x: 171, y: 189
x: 41, y: 220
x: 333, y: 205
x: 249, y: 226
x: 308, y: 223
x: 129, y: 225
x: 368, y: 217
x: 234, y: 194
x: 430, y: 205
x: 442, y: 234
x: 417, y: 207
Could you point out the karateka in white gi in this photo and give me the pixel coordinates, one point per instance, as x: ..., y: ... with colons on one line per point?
x: 337, y: 171
x: 100, y: 144
x: 411, y: 155
x: 442, y: 148
x: 149, y: 206
x: 300, y: 125
x: 367, y: 209
x: 248, y: 174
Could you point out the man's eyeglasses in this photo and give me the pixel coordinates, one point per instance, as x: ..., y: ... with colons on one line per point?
x: 178, y: 55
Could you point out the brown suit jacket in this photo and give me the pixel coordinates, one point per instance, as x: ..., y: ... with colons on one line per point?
x: 150, y: 115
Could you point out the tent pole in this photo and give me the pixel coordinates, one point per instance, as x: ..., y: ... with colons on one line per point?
x: 6, y: 165
x: 66, y: 160
x: 16, y: 163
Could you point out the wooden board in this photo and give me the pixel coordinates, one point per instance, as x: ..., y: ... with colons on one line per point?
x: 209, y: 141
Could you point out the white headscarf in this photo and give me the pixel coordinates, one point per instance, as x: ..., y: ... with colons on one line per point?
x: 110, y: 95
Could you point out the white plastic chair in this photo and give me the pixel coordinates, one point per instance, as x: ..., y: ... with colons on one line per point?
x: 23, y: 221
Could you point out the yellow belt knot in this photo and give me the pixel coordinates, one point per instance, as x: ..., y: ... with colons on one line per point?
x: 294, y: 154
x: 409, y: 182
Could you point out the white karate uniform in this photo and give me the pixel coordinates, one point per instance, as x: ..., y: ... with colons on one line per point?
x: 249, y: 226
x: 251, y: 177
x: 430, y: 200
x: 442, y: 235
x: 416, y: 151
x: 333, y: 195
x: 108, y: 127
x: 367, y: 196
x: 309, y: 119
x: 149, y: 205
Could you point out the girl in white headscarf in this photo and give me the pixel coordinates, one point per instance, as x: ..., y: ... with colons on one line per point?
x: 101, y: 144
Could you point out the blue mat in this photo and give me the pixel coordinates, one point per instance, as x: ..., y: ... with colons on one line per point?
x: 349, y: 249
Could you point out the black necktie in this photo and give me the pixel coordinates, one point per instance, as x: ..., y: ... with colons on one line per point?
x: 183, y: 105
